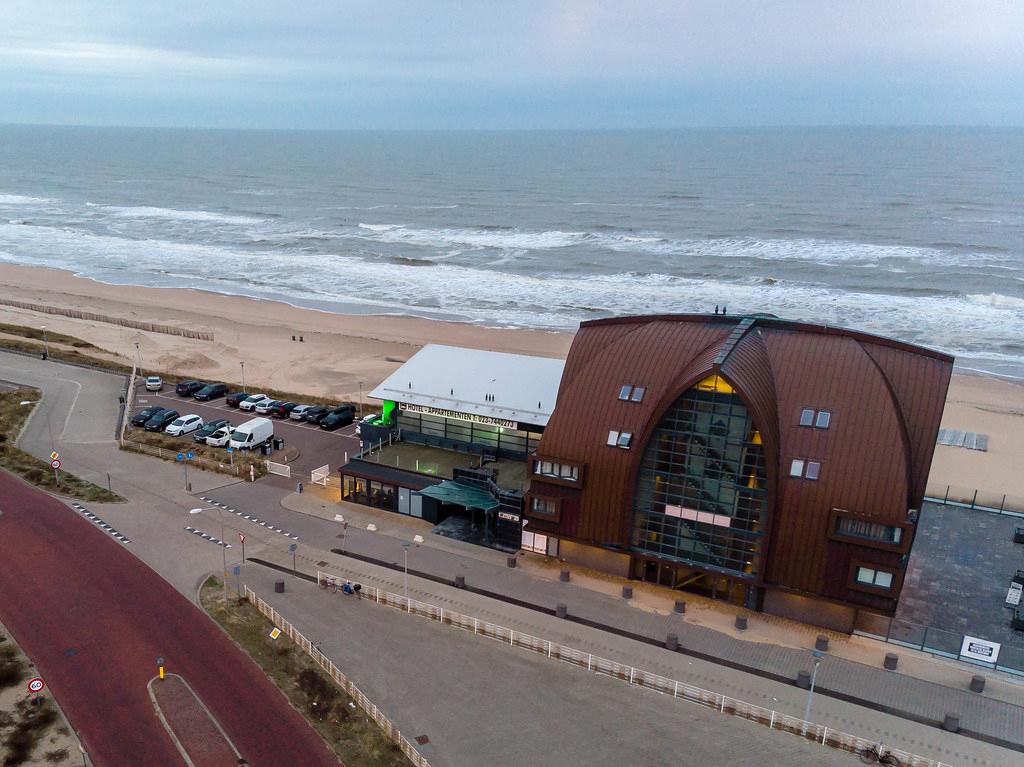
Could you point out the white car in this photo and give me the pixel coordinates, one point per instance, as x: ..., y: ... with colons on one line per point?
x: 365, y: 419
x: 184, y: 425
x: 154, y: 383
x: 264, y: 407
x: 219, y: 438
x: 250, y: 402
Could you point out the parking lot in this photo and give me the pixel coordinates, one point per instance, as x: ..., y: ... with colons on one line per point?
x: 316, y: 446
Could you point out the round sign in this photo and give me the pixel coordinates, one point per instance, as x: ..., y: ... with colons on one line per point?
x: 180, y: 456
x: 54, y: 464
x: 189, y: 455
x: 36, y: 685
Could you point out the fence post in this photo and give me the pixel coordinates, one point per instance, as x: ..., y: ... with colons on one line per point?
x: 975, y: 498
x: 476, y: 625
x: 512, y: 638
x: 549, y: 649
x: 1002, y: 503
x: 722, y: 709
x: 824, y: 734
x: 590, y: 659
x: 945, y: 498
x: 771, y: 724
x: 675, y: 692
x: 631, y: 670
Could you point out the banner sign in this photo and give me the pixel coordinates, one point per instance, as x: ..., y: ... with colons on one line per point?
x: 506, y: 515
x: 458, y: 415
x: 979, y: 649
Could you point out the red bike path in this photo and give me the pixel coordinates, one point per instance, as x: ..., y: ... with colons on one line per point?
x: 94, y: 619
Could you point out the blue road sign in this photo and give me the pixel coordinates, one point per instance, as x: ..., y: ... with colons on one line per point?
x: 293, y: 547
x: 180, y: 456
x: 189, y: 455
x: 231, y: 449
x: 238, y: 569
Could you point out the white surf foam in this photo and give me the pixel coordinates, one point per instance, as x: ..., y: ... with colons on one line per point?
x: 21, y: 199
x: 146, y: 211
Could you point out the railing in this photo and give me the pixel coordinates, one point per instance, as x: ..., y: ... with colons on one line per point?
x: 389, y: 728
x: 280, y: 469
x: 319, y: 476
x: 774, y: 720
x: 169, y: 455
x: 974, y: 499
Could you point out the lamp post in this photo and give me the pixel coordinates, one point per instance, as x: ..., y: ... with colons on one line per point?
x: 818, y: 655
x: 223, y: 547
x: 243, y: 374
x: 360, y: 400
x: 46, y: 347
x: 417, y: 540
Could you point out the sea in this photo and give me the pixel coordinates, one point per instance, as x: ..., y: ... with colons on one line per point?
x: 912, y: 233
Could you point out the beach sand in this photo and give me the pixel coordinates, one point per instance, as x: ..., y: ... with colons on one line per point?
x: 341, y: 350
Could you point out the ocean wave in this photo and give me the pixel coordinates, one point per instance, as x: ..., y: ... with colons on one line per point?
x: 21, y: 199
x: 146, y: 211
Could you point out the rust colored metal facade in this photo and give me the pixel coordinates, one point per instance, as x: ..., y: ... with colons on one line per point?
x: 840, y: 532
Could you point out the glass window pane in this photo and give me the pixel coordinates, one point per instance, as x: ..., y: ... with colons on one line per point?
x: 865, y: 575
x: 806, y: 417
x: 813, y: 469
x: 624, y: 392
x: 823, y: 419
x: 613, y: 438
x: 624, y: 439
x: 796, y: 469
x: 638, y: 394
x: 883, y: 579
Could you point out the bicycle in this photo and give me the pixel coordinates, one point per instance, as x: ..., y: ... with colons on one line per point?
x: 875, y: 755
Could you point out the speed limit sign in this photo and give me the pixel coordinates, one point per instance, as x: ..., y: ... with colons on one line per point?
x: 55, y: 463
x: 36, y: 685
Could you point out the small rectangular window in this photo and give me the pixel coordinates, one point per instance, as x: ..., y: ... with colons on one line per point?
x: 823, y: 419
x: 806, y: 417
x: 625, y: 438
x: 638, y: 394
x: 625, y: 391
x: 871, y: 577
x: 883, y: 579
x: 813, y: 470
x: 796, y: 469
x: 613, y: 438
x: 866, y: 575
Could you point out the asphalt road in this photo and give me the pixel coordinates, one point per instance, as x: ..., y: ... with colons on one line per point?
x: 94, y: 619
x: 316, y: 446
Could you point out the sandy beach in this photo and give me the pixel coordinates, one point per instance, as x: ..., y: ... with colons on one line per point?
x: 338, y: 352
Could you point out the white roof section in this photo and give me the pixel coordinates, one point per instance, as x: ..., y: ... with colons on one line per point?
x: 513, y: 387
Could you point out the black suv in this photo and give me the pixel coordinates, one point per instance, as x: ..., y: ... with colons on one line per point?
x: 209, y: 428
x: 235, y: 398
x: 161, y: 420
x: 211, y: 391
x: 188, y: 388
x: 140, y: 418
x: 342, y: 415
x: 314, y: 414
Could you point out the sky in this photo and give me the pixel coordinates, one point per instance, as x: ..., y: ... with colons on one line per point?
x: 497, y: 64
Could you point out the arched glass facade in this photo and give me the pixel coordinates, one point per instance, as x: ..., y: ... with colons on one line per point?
x: 701, y: 495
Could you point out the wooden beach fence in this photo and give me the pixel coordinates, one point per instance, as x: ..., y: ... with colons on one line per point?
x: 151, y: 327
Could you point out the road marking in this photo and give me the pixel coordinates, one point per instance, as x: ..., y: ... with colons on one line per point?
x: 99, y: 523
x: 249, y: 517
x: 71, y: 410
x: 207, y: 536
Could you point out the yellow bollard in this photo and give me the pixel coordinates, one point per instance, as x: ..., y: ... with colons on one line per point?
x: 161, y: 672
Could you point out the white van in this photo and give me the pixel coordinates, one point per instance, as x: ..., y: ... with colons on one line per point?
x: 252, y: 433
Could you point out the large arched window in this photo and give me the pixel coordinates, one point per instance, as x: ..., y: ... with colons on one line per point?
x: 701, y: 491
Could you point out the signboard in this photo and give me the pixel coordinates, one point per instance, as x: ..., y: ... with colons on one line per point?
x: 180, y: 457
x: 241, y: 537
x: 54, y: 464
x: 275, y: 633
x: 979, y: 649
x: 1014, y: 594
x: 458, y: 415
x: 54, y: 455
x: 36, y: 685
x: 190, y: 455
x: 508, y: 516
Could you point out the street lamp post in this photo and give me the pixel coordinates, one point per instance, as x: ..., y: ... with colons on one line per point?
x: 360, y: 400
x: 46, y: 346
x: 417, y: 540
x: 818, y: 655
x: 223, y: 547
x: 243, y: 375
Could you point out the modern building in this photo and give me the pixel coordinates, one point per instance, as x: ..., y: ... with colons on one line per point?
x: 455, y: 430
x: 775, y: 464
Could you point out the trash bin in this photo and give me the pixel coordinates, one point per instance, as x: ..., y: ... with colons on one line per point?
x: 264, y: 449
x: 278, y: 443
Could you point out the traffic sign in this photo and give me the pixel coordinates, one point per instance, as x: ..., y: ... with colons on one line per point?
x: 180, y: 457
x: 54, y: 464
x: 241, y: 537
x: 230, y: 449
x: 189, y: 455
x: 36, y: 685
x: 54, y: 455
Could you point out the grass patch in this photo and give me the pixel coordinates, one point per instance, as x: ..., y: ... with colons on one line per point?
x: 12, y: 670
x: 214, y: 458
x: 353, y: 736
x: 34, y: 716
x: 51, y: 337
x: 12, y: 417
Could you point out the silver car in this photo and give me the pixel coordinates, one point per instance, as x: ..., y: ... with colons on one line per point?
x: 299, y: 412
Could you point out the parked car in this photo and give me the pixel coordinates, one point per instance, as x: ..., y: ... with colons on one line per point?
x: 235, y: 398
x: 161, y: 420
x: 211, y: 391
x: 315, y: 413
x: 209, y: 428
x: 252, y: 434
x: 299, y: 412
x: 188, y: 388
x: 250, y: 402
x: 154, y: 383
x: 186, y: 424
x: 370, y: 419
x: 140, y: 418
x: 220, y: 438
x: 264, y: 408
x: 336, y: 419
x: 283, y: 409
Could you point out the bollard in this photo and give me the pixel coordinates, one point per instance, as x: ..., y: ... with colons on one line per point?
x: 741, y: 622
x: 460, y: 581
x: 564, y: 576
x: 278, y: 587
x: 821, y: 643
x: 561, y: 611
x: 951, y: 723
x: 803, y: 680
x: 891, y: 659
x: 672, y: 642
x: 627, y: 592
x: 977, y: 683
x: 188, y: 488
x: 298, y: 487
x: 511, y: 561
x: 680, y: 606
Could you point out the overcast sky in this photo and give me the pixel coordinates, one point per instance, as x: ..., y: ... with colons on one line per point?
x: 507, y: 64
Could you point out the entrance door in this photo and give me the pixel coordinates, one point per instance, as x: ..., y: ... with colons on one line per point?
x: 650, y: 571
x: 667, y: 576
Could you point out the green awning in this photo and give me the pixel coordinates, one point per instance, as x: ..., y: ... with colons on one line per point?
x: 467, y: 496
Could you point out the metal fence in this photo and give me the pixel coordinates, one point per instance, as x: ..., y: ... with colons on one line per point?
x: 976, y: 500
x: 389, y: 728
x: 774, y: 720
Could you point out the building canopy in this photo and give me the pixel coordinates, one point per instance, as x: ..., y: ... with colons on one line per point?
x: 458, y: 494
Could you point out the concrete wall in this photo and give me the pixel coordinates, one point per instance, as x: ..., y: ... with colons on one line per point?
x: 809, y: 610
x: 599, y: 559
